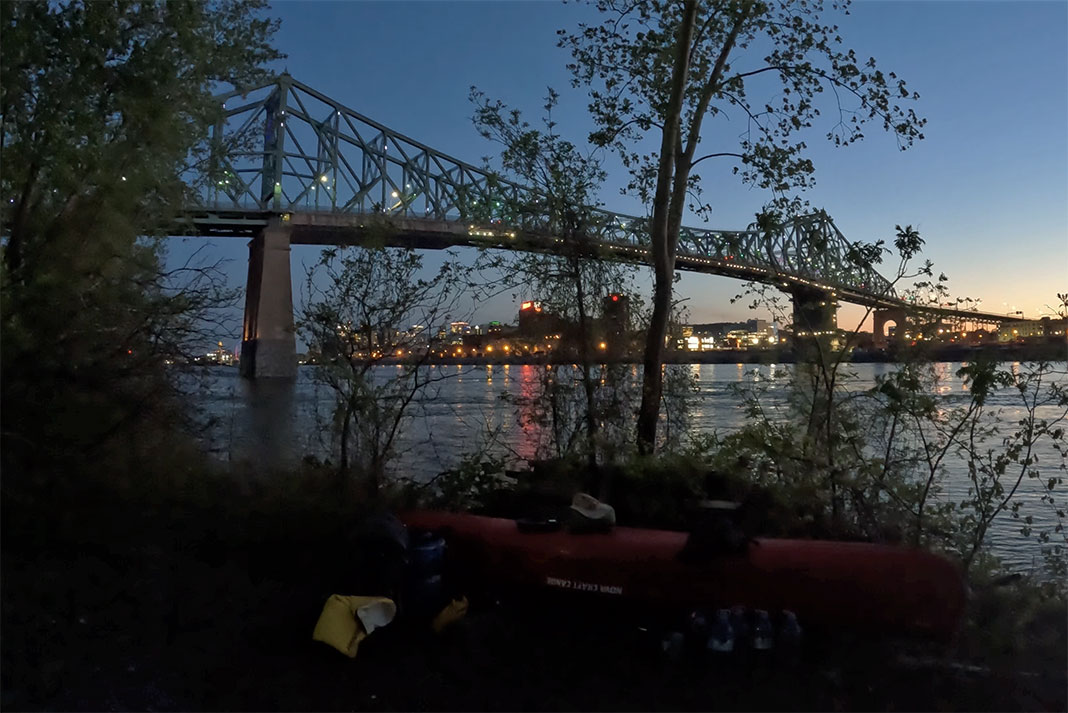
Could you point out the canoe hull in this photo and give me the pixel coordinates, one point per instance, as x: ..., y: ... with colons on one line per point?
x: 859, y: 585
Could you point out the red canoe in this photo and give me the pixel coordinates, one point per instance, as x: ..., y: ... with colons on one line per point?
x: 859, y: 585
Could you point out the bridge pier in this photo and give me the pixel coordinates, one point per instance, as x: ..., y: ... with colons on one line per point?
x: 815, y: 316
x: 268, y: 343
x: 879, y: 319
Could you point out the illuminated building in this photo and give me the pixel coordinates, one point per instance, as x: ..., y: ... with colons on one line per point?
x: 752, y: 334
x: 616, y: 311
x: 535, y: 322
x: 1030, y: 329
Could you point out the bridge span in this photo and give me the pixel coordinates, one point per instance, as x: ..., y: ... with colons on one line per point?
x: 303, y: 169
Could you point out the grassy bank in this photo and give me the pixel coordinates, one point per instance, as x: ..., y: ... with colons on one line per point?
x: 204, y: 597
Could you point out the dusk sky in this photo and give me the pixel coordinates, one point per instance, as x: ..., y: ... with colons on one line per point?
x: 987, y: 188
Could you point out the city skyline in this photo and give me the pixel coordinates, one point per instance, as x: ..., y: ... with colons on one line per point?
x: 986, y: 189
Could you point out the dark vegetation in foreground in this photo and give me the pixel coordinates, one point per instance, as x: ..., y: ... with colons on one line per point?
x: 202, y: 594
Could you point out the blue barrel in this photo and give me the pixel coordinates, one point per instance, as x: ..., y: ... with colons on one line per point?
x: 426, y: 564
x: 426, y: 554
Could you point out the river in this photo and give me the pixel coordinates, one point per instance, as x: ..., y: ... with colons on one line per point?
x: 272, y: 425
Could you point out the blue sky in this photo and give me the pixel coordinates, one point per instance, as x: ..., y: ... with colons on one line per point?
x: 987, y: 188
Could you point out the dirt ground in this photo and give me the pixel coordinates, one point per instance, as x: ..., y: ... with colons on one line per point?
x: 176, y: 616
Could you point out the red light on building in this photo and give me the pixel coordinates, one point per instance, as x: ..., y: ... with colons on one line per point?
x: 615, y: 298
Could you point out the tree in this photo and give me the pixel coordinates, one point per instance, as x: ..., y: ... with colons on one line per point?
x: 105, y: 111
x: 573, y: 278
x: 671, y: 64
x: 360, y: 318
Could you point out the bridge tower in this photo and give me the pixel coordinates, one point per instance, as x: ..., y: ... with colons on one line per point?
x: 268, y: 342
x: 815, y: 315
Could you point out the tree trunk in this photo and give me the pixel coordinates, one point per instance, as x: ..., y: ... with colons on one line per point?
x: 652, y: 371
x: 584, y: 357
x: 343, y: 466
x: 661, y: 238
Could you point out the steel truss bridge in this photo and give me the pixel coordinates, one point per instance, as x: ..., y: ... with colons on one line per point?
x: 332, y: 175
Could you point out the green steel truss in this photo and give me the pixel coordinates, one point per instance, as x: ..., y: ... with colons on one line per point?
x: 298, y: 150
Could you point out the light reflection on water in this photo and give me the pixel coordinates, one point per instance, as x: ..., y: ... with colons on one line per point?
x: 273, y: 424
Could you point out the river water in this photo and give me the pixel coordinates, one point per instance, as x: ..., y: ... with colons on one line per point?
x: 273, y: 425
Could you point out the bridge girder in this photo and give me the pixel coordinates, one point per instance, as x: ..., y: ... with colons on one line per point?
x: 293, y: 149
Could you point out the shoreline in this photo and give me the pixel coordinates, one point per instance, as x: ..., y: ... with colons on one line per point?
x: 1038, y: 352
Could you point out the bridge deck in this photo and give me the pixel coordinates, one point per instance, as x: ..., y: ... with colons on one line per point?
x: 330, y: 228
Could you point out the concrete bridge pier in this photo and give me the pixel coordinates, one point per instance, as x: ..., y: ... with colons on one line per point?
x: 268, y: 343
x: 815, y: 315
x: 879, y: 319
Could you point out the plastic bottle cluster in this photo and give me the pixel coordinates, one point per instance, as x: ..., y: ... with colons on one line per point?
x: 727, y: 631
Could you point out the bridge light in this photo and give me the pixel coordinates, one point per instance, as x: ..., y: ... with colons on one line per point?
x: 323, y: 178
x: 394, y: 194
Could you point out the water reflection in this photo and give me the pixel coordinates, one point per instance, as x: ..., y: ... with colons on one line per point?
x: 265, y: 428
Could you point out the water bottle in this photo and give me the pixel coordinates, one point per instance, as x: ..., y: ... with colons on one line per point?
x: 740, y: 623
x: 763, y: 633
x: 789, y: 638
x: 697, y: 629
x: 721, y: 634
x: 672, y: 644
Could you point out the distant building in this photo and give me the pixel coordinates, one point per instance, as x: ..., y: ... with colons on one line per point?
x: 752, y: 334
x: 219, y: 355
x: 536, y: 323
x: 615, y: 325
x: 616, y: 314
x: 1030, y: 329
